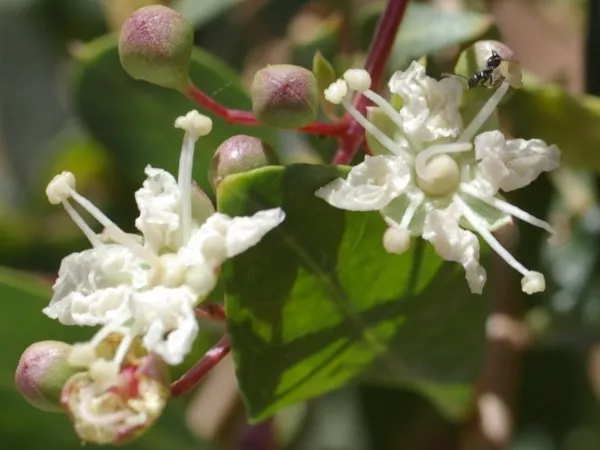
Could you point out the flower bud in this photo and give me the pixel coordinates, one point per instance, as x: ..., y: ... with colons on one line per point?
x: 122, y: 411
x: 155, y: 45
x: 239, y: 154
x: 509, y: 68
x: 285, y: 96
x: 42, y: 372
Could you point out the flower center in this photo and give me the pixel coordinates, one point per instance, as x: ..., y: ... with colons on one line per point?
x: 441, y: 176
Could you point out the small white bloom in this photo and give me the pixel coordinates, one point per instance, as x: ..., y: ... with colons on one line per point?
x: 430, y: 107
x: 438, y: 177
x: 146, y: 287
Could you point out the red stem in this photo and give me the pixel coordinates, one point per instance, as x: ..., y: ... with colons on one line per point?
x: 379, y: 53
x: 193, y: 376
x: 210, y: 310
x: 238, y: 116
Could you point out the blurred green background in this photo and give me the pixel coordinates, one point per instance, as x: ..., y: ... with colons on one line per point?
x: 65, y: 103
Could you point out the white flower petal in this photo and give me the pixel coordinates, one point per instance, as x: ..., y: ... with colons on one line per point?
x: 430, y: 108
x: 167, y: 316
x: 241, y: 233
x: 158, y: 201
x: 453, y: 243
x: 94, y: 284
x: 370, y: 185
x: 514, y: 163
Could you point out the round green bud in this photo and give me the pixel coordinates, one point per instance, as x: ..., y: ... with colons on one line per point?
x: 42, y: 372
x: 285, y: 96
x: 239, y: 154
x: 155, y: 45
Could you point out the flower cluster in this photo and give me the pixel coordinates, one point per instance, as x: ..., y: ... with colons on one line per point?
x: 142, y: 289
x: 432, y: 177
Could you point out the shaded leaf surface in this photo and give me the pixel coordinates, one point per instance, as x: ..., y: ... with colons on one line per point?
x: 319, y: 300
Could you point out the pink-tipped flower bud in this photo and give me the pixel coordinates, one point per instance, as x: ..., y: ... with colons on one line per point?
x: 155, y: 45
x: 42, y: 372
x: 285, y: 96
x: 116, y: 411
x: 239, y: 154
x: 509, y: 67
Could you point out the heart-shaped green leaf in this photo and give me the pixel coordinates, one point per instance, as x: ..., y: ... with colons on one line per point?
x: 134, y: 119
x: 319, y: 300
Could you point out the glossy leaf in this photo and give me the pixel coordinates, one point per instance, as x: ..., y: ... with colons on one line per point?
x: 134, y: 119
x: 23, y: 323
x: 425, y: 29
x: 319, y: 300
x: 199, y: 13
x: 550, y: 113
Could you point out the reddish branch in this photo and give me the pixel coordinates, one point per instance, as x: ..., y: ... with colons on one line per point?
x: 247, y: 118
x: 193, y: 376
x: 379, y: 53
x: 210, y: 310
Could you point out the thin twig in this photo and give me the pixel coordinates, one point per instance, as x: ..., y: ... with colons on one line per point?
x: 379, y: 53
x: 192, y: 377
x: 237, y: 116
x: 210, y: 310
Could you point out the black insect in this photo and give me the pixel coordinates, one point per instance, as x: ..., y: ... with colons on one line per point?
x: 486, y: 77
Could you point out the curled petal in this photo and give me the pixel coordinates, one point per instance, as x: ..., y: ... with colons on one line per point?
x: 167, y: 316
x: 370, y: 186
x: 430, y: 108
x: 453, y: 243
x: 239, y: 233
x: 119, y: 413
x: 93, y: 285
x: 514, y: 163
x: 158, y: 201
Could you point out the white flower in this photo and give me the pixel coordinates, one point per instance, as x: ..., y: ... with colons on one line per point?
x: 435, y: 178
x: 148, y: 286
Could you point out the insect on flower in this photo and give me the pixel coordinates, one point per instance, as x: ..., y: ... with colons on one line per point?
x: 488, y: 76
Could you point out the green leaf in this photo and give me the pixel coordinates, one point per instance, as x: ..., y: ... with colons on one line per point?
x: 134, y: 119
x: 550, y: 113
x: 319, y: 300
x: 200, y: 13
x: 325, y: 75
x: 24, y: 426
x: 425, y: 29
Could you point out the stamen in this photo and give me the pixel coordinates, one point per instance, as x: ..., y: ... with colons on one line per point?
x: 424, y: 156
x: 489, y: 237
x: 195, y: 125
x: 414, y: 204
x: 510, y: 209
x: 84, y: 227
x: 393, y: 115
x: 482, y: 116
x: 358, y: 79
x: 123, y: 348
x: 383, y: 139
x: 336, y: 92
x: 114, y: 231
x: 186, y: 161
x: 90, y: 416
